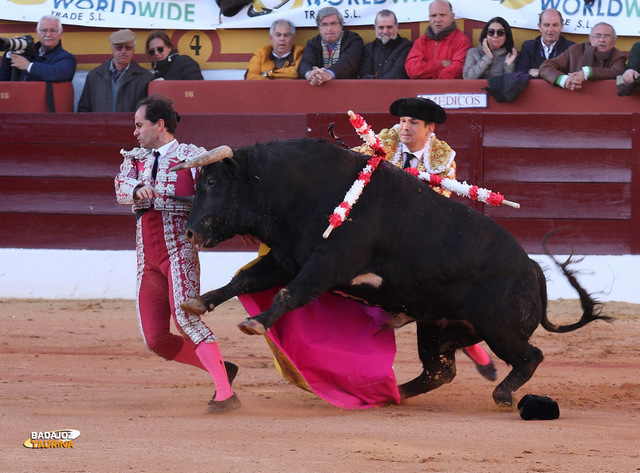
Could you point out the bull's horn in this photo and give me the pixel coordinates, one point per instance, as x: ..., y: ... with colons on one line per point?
x: 208, y: 157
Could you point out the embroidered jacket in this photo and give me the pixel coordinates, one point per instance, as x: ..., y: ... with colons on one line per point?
x: 441, y: 156
x: 136, y: 171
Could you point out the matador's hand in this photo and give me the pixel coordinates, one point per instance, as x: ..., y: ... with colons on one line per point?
x: 146, y: 192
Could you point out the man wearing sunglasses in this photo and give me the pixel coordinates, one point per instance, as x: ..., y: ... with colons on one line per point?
x: 441, y: 51
x: 118, y: 84
x: 548, y: 45
x: 596, y: 59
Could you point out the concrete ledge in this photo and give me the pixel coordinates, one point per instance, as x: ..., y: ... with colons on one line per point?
x: 112, y: 274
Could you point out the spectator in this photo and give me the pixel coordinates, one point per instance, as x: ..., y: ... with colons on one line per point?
x: 46, y: 62
x: 546, y: 46
x: 384, y: 57
x: 118, y: 84
x: 168, y: 266
x: 413, y: 143
x: 440, y: 53
x: 495, y: 56
x: 335, y: 53
x: 280, y: 59
x: 633, y: 66
x: 167, y: 63
x: 596, y: 59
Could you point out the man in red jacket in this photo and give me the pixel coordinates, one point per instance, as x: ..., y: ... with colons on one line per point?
x: 441, y: 51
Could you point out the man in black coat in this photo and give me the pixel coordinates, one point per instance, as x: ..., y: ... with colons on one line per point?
x: 118, y: 84
x: 546, y: 46
x: 385, y: 56
x: 335, y: 53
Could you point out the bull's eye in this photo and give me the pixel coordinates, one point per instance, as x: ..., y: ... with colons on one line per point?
x: 211, y: 182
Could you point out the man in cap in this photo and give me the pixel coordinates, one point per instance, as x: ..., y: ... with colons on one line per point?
x: 412, y: 143
x: 118, y: 84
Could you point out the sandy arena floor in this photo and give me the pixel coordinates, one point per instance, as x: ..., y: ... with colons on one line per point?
x: 82, y: 365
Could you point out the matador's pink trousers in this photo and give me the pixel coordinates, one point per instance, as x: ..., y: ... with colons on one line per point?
x: 169, y: 273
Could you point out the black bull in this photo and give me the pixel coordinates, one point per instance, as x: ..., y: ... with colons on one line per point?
x: 462, y: 277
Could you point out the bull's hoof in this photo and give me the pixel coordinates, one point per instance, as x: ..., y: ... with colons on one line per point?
x: 503, y: 398
x: 252, y: 327
x: 194, y: 306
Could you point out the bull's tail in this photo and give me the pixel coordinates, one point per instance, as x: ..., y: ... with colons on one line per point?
x: 591, y: 309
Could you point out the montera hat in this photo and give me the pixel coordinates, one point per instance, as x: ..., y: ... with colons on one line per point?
x: 420, y: 108
x: 532, y: 406
x: 122, y: 36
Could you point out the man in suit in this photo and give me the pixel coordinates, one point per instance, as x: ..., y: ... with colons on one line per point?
x: 549, y: 44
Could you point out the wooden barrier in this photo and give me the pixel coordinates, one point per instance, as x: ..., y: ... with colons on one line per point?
x: 568, y: 168
x: 57, y: 178
x: 30, y: 97
x: 367, y: 96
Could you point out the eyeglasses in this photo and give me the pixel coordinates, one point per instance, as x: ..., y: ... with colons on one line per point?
x: 334, y: 24
x: 152, y: 51
x: 606, y: 37
x: 118, y: 47
x: 499, y: 33
x: 48, y: 31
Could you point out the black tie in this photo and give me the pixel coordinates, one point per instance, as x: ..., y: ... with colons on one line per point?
x: 408, y: 158
x: 154, y: 171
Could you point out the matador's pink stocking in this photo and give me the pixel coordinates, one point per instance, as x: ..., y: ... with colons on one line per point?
x: 211, y: 358
x: 477, y: 354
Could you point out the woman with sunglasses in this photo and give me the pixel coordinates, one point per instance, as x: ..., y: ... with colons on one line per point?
x: 495, y: 56
x: 167, y: 63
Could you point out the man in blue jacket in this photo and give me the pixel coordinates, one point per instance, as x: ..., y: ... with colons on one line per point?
x: 47, y: 61
x: 546, y: 46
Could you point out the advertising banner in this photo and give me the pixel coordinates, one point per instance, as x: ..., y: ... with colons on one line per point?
x: 579, y: 15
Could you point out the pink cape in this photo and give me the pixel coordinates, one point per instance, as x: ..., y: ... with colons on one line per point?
x: 332, y: 348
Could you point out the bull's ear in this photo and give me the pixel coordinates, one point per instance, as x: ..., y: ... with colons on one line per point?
x: 232, y: 167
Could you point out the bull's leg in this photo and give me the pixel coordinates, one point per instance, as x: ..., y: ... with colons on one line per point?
x: 437, y: 345
x: 283, y: 302
x: 262, y: 275
x: 524, y: 361
x: 318, y: 275
x: 438, y: 362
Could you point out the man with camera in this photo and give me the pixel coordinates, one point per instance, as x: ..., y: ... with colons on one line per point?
x: 42, y: 61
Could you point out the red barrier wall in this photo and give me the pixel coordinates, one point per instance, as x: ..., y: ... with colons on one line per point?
x: 571, y: 159
x: 29, y: 97
x: 366, y: 96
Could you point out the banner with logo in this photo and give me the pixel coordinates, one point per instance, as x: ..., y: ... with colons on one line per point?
x: 579, y: 15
